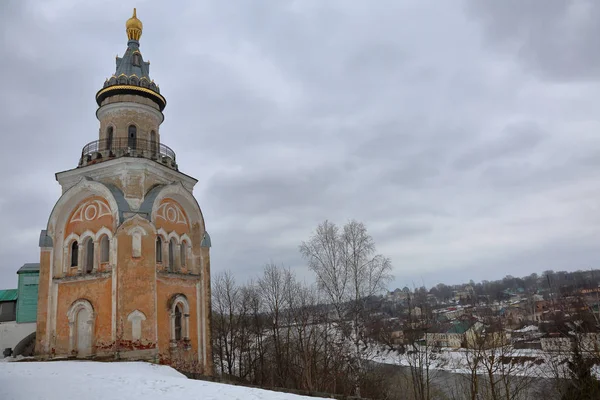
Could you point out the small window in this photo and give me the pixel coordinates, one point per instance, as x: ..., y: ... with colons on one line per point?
x: 183, y: 252
x: 136, y: 59
x: 178, y: 315
x: 132, y: 136
x: 74, y: 254
x: 8, y: 311
x: 158, y: 250
x: 172, y: 255
x: 104, y: 249
x: 89, y: 256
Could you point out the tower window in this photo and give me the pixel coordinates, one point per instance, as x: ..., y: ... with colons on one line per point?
x: 74, y: 254
x: 136, y: 59
x: 158, y: 250
x: 132, y: 136
x: 104, y: 249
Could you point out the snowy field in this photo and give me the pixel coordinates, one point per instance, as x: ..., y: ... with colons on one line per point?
x: 77, y: 380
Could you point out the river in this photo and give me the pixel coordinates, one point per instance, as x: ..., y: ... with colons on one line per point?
x: 446, y: 385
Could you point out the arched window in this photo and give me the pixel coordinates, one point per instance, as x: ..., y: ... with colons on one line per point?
x: 132, y: 137
x: 109, y: 138
x: 74, y: 253
x: 104, y: 249
x: 172, y: 255
x: 89, y: 255
x: 178, y: 318
x: 158, y: 250
x: 183, y: 253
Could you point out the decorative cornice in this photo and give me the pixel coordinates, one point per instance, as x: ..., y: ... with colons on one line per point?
x: 83, y: 277
x: 103, y: 93
x: 161, y: 275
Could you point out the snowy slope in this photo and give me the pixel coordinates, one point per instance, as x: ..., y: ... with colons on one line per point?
x: 78, y: 380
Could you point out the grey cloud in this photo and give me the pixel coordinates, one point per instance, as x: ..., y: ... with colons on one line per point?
x: 276, y: 189
x: 515, y: 139
x: 290, y: 112
x: 556, y: 39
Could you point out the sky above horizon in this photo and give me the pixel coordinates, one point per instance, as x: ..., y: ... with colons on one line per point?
x: 464, y: 134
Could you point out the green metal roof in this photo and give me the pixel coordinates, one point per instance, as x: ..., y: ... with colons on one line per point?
x: 8, y: 295
x: 29, y: 267
x: 460, y: 327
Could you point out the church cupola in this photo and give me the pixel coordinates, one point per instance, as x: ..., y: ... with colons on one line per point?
x: 132, y: 74
x: 134, y: 27
x: 130, y: 109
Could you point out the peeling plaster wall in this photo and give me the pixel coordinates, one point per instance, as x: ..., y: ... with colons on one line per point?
x: 136, y: 280
x: 167, y: 287
x: 96, y: 290
x: 41, y: 345
x: 132, y: 282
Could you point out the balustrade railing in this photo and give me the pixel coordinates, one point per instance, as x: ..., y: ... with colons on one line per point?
x: 100, y: 150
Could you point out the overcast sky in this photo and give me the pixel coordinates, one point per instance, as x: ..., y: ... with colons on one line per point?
x: 464, y: 134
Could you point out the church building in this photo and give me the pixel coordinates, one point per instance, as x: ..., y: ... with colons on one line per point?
x: 125, y: 258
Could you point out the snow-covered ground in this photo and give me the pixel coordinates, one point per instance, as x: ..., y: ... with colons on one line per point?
x: 77, y: 380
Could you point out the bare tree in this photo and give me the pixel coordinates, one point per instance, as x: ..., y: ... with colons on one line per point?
x: 496, y: 370
x: 348, y: 272
x: 273, y: 285
x: 225, y: 301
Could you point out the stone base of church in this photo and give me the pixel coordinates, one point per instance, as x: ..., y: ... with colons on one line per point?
x: 184, y: 359
x: 150, y: 355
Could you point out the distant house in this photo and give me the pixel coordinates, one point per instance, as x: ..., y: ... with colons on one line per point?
x: 557, y: 342
x: 453, y: 334
x: 18, y: 311
x: 397, y: 337
x: 490, y: 336
x: 29, y: 275
x: 8, y: 305
x: 514, y: 316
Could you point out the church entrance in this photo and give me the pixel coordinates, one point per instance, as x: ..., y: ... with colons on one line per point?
x: 84, y: 333
x: 81, y: 325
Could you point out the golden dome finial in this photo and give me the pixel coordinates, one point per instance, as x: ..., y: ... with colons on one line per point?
x: 134, y: 27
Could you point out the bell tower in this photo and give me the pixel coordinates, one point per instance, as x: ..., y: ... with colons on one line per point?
x: 130, y: 109
x: 125, y: 257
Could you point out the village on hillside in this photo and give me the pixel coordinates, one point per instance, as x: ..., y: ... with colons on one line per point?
x: 534, y: 312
